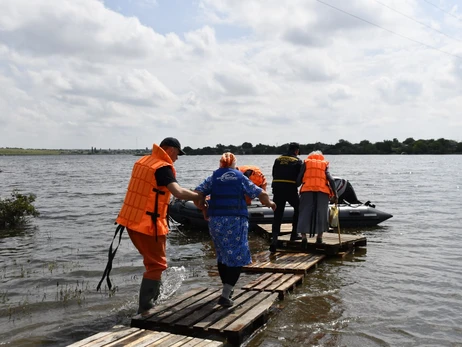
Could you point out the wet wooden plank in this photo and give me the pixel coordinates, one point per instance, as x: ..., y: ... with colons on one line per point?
x: 144, y: 338
x: 275, y: 282
x: 169, y: 305
x: 201, y: 316
x: 217, y: 315
x: 330, y: 246
x: 283, y: 262
x: 186, y: 308
x: 254, y: 299
x: 247, y: 323
x: 251, y: 315
x: 133, y: 337
x: 104, y: 339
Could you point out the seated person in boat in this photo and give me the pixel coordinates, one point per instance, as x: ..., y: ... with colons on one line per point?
x: 345, y: 191
x: 254, y: 174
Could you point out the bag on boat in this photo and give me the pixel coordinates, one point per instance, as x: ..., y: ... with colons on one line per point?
x: 333, y: 216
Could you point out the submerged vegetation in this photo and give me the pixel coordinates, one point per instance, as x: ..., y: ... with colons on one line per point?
x: 15, y: 210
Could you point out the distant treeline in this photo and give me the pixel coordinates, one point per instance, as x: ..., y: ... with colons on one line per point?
x: 409, y: 146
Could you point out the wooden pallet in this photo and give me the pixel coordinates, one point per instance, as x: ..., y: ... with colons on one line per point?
x: 126, y: 336
x: 275, y: 282
x: 283, y: 262
x: 197, y: 313
x: 331, y: 244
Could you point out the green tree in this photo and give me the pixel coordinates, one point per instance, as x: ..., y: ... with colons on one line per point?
x: 366, y: 147
x: 15, y: 210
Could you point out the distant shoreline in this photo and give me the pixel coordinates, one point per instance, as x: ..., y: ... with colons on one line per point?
x: 29, y: 151
x: 386, y: 147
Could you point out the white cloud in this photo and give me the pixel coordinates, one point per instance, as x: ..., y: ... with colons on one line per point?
x: 80, y: 74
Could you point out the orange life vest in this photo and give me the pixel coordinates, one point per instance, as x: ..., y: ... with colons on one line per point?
x: 256, y: 175
x: 145, y: 205
x: 314, y: 179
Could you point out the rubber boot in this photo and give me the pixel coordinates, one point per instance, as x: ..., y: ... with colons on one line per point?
x: 149, y: 292
x: 294, y: 236
x: 274, y: 242
x: 319, y: 238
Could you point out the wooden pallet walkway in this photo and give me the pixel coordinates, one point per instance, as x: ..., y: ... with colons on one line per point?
x: 195, y: 318
x: 126, y: 336
x: 275, y: 283
x: 330, y: 246
x: 196, y: 313
x: 283, y: 262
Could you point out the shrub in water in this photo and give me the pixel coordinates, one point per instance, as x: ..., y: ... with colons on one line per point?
x: 14, y: 210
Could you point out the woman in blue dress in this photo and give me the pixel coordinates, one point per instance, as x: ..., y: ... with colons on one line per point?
x: 228, y: 218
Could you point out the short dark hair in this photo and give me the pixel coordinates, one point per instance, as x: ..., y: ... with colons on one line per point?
x: 293, y: 146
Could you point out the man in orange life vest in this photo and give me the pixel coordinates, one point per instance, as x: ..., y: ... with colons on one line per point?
x: 144, y: 212
x: 254, y: 174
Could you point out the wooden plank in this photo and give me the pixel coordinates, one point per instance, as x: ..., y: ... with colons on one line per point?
x: 127, y: 340
x: 189, y: 310
x: 206, y: 310
x: 197, y: 342
x: 252, y: 314
x: 290, y: 283
x: 193, y: 302
x: 87, y: 341
x: 310, y: 261
x: 277, y: 282
x: 216, y: 316
x: 167, y: 305
x: 264, y: 284
x: 169, y: 340
x: 287, y: 263
x: 294, y: 260
x: 257, y: 281
x: 145, y: 338
x: 253, y: 304
x: 209, y: 343
x: 280, y: 282
x: 111, y: 337
x: 97, y: 336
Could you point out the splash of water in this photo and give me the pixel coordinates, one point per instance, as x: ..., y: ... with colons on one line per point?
x: 172, y: 278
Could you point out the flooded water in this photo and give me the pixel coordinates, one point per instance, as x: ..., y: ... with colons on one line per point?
x: 403, y: 289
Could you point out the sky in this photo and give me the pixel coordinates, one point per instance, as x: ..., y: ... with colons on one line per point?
x: 124, y: 74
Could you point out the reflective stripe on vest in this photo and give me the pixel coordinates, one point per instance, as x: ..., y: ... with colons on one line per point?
x: 286, y: 169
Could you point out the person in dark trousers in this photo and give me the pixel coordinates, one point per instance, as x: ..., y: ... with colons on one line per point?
x: 286, y: 169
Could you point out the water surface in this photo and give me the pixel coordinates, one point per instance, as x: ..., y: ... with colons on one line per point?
x: 403, y: 289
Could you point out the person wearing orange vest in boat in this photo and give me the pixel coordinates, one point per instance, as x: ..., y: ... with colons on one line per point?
x: 254, y: 174
x: 318, y: 186
x: 145, y: 211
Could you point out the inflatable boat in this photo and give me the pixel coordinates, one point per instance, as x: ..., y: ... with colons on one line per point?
x: 349, y: 215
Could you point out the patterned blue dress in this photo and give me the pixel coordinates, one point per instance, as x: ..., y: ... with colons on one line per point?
x: 230, y: 233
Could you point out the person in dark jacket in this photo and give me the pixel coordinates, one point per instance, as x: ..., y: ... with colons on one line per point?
x: 285, y: 172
